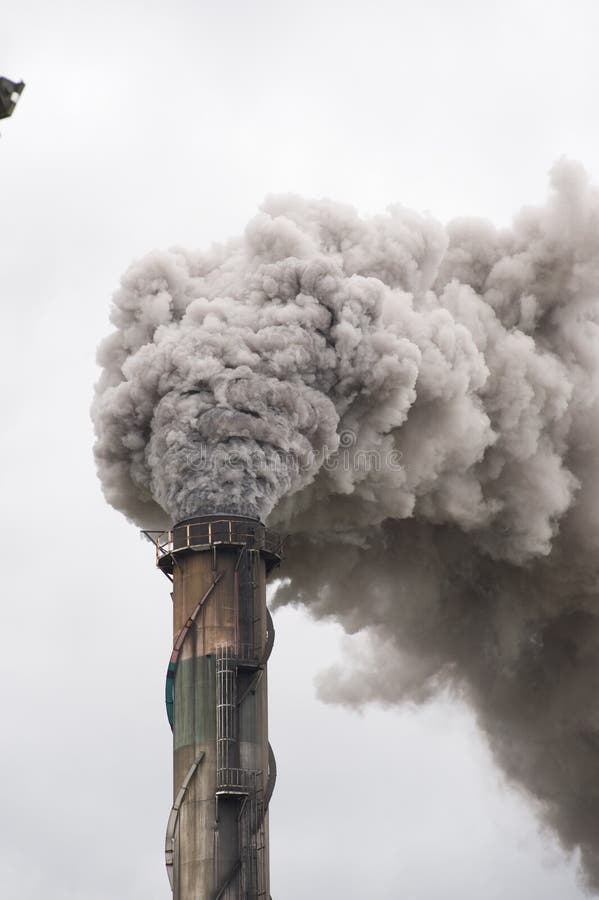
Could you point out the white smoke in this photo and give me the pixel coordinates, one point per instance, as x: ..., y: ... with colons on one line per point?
x: 418, y: 407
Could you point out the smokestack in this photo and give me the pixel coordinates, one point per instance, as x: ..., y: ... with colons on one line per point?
x: 216, y: 697
x: 421, y: 400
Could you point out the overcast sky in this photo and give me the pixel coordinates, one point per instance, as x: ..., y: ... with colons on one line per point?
x: 148, y: 124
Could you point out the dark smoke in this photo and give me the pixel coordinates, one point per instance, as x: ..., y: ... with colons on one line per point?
x: 418, y: 407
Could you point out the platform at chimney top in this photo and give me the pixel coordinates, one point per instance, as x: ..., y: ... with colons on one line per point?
x: 202, y: 533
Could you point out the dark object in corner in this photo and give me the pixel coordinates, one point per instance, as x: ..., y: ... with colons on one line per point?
x: 10, y: 91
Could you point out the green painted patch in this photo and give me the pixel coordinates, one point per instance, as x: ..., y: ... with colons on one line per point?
x: 195, y: 701
x: 169, y: 693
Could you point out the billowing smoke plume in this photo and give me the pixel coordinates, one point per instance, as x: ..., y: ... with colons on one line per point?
x: 418, y: 408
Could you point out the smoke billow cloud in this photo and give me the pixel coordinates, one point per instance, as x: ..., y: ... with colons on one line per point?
x: 417, y: 406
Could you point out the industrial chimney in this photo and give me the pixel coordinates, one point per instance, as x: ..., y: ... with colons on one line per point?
x: 216, y: 698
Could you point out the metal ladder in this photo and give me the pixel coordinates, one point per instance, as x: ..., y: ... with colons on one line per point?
x: 244, y: 785
x: 228, y: 773
x: 252, y: 841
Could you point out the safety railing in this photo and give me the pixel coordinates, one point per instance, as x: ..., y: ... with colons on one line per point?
x: 195, y: 535
x: 246, y: 653
x: 237, y: 781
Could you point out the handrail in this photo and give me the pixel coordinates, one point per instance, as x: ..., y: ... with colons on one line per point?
x: 272, y: 777
x: 234, y: 533
x: 169, y: 844
x: 173, y: 662
x: 270, y: 638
